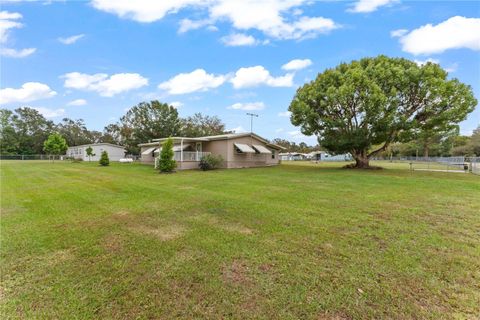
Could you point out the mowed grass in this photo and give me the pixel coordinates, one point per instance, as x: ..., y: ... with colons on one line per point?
x: 299, y: 241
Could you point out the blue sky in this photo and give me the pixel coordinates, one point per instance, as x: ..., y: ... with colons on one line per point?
x: 95, y: 59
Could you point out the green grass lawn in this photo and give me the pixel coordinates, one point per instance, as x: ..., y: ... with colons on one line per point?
x: 299, y: 241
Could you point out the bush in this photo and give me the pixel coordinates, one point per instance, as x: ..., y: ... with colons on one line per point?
x: 165, y: 162
x: 210, y: 162
x: 104, y: 161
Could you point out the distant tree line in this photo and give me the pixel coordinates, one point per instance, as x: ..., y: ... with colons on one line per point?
x: 24, y: 130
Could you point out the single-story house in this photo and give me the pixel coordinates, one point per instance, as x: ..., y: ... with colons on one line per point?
x: 115, y: 152
x: 238, y: 150
x: 292, y: 156
x: 325, y: 156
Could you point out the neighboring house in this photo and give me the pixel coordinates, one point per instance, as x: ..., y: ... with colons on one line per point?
x: 115, y: 153
x: 292, y: 156
x: 325, y: 156
x: 238, y: 150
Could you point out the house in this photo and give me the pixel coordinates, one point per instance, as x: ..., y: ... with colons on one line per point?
x: 238, y: 150
x: 292, y: 156
x: 325, y: 156
x: 115, y: 153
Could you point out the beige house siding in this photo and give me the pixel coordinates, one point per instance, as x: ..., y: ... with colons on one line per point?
x: 225, y: 148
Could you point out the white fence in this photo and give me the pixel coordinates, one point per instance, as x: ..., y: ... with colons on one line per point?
x: 32, y: 157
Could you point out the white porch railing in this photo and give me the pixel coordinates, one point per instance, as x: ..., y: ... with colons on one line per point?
x: 189, y: 155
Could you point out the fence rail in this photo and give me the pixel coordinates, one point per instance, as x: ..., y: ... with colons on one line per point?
x: 189, y: 155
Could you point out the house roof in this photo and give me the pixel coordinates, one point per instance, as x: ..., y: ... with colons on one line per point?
x: 98, y: 144
x: 214, y: 138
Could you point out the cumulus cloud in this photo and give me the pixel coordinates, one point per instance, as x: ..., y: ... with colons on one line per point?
x: 238, y: 129
x: 176, y: 104
x: 50, y: 113
x: 248, y: 106
x: 187, y: 25
x: 8, y: 21
x: 77, y: 102
x: 285, y: 114
x: 29, y: 91
x: 239, y: 39
x: 398, y: 33
x: 454, y: 33
x: 258, y: 75
x: 103, y: 84
x: 423, y: 62
x: 366, y: 6
x: 297, y: 64
x: 197, y: 80
x: 14, y: 53
x: 278, y: 19
x: 71, y: 39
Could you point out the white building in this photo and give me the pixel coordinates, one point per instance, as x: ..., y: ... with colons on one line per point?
x: 115, y: 153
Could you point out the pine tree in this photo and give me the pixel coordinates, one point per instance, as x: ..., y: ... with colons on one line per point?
x: 166, y: 163
x: 104, y: 161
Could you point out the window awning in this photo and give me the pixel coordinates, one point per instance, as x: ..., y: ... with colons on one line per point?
x: 244, y: 148
x: 261, y: 149
x: 179, y: 147
x: 149, y: 150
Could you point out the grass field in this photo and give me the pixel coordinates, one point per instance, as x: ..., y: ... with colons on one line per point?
x: 300, y: 241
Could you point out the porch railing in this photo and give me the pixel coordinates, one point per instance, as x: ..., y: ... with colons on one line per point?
x: 189, y: 155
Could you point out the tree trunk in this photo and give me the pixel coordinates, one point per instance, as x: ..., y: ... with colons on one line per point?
x: 361, y: 160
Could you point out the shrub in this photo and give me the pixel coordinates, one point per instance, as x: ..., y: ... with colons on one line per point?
x: 166, y: 163
x: 104, y: 161
x: 210, y: 162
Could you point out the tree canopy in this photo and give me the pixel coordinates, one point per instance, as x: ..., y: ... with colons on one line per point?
x: 378, y: 101
x: 55, y: 144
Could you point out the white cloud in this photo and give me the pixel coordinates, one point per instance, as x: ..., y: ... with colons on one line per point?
x: 248, y: 106
x: 77, y: 102
x: 258, y: 75
x: 106, y: 86
x: 454, y: 33
x: 8, y: 21
x: 297, y: 64
x: 452, y: 68
x: 72, y: 39
x: 423, y: 62
x: 176, y: 104
x: 239, y: 39
x: 187, y: 25
x: 398, y: 33
x: 14, y: 53
x: 144, y: 10
x: 50, y: 113
x: 278, y: 19
x: 29, y: 91
x: 365, y: 6
x: 238, y: 129
x: 197, y: 80
x: 285, y: 114
x: 279, y: 130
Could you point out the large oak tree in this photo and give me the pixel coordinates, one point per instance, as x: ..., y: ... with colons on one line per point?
x: 378, y: 101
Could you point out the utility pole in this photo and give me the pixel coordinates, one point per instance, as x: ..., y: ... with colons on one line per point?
x: 251, y: 125
x: 251, y: 120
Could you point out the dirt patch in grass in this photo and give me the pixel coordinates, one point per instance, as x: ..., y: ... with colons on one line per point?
x: 57, y: 257
x: 333, y: 316
x: 163, y: 233
x: 234, y: 227
x: 236, y: 273
x: 113, y: 243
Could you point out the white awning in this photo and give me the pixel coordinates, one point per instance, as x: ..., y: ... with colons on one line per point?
x: 148, y: 151
x: 261, y: 149
x: 179, y: 147
x: 244, y: 148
